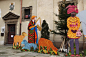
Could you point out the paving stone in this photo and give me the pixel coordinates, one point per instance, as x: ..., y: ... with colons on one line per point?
x: 28, y: 56
x: 33, y: 54
x: 3, y: 53
x: 44, y: 55
x: 20, y: 54
x: 17, y: 53
x: 41, y: 56
x: 30, y: 52
x: 3, y: 56
x: 54, y: 56
x: 14, y: 56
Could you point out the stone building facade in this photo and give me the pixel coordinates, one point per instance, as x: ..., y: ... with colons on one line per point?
x: 44, y: 9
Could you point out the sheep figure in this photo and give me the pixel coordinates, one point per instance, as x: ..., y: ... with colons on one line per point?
x: 28, y: 45
x: 45, y: 42
x: 19, y: 38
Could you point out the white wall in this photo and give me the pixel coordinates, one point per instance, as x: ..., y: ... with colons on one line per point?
x: 44, y: 9
x: 4, y: 6
x: 27, y: 3
x: 80, y: 6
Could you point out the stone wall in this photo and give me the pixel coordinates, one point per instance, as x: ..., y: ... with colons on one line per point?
x: 44, y: 9
x: 4, y: 6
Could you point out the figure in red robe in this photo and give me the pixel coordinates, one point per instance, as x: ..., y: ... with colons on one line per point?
x: 32, y: 31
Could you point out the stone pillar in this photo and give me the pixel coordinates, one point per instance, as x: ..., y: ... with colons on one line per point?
x: 80, y: 5
x: 81, y: 8
x: 84, y: 2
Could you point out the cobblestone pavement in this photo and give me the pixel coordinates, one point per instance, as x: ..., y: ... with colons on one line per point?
x: 7, y: 51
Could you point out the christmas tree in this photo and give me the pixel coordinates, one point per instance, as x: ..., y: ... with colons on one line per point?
x: 44, y: 32
x: 61, y: 25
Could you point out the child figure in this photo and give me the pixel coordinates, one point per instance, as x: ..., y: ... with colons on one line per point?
x: 73, y: 23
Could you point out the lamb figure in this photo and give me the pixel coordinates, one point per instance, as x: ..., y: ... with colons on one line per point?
x: 45, y: 42
x: 28, y: 45
x: 19, y: 38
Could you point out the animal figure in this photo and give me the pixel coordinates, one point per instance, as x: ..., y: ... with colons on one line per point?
x: 45, y: 42
x: 19, y: 38
x: 28, y: 45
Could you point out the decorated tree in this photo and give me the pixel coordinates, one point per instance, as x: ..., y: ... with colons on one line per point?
x: 61, y: 25
x: 45, y: 30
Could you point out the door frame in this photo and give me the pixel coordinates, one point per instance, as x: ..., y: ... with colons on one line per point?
x: 6, y: 29
x: 9, y: 34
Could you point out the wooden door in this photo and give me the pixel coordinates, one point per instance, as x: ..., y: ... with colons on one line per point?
x: 11, y: 33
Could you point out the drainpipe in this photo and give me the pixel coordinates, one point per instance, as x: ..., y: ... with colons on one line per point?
x: 20, y: 17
